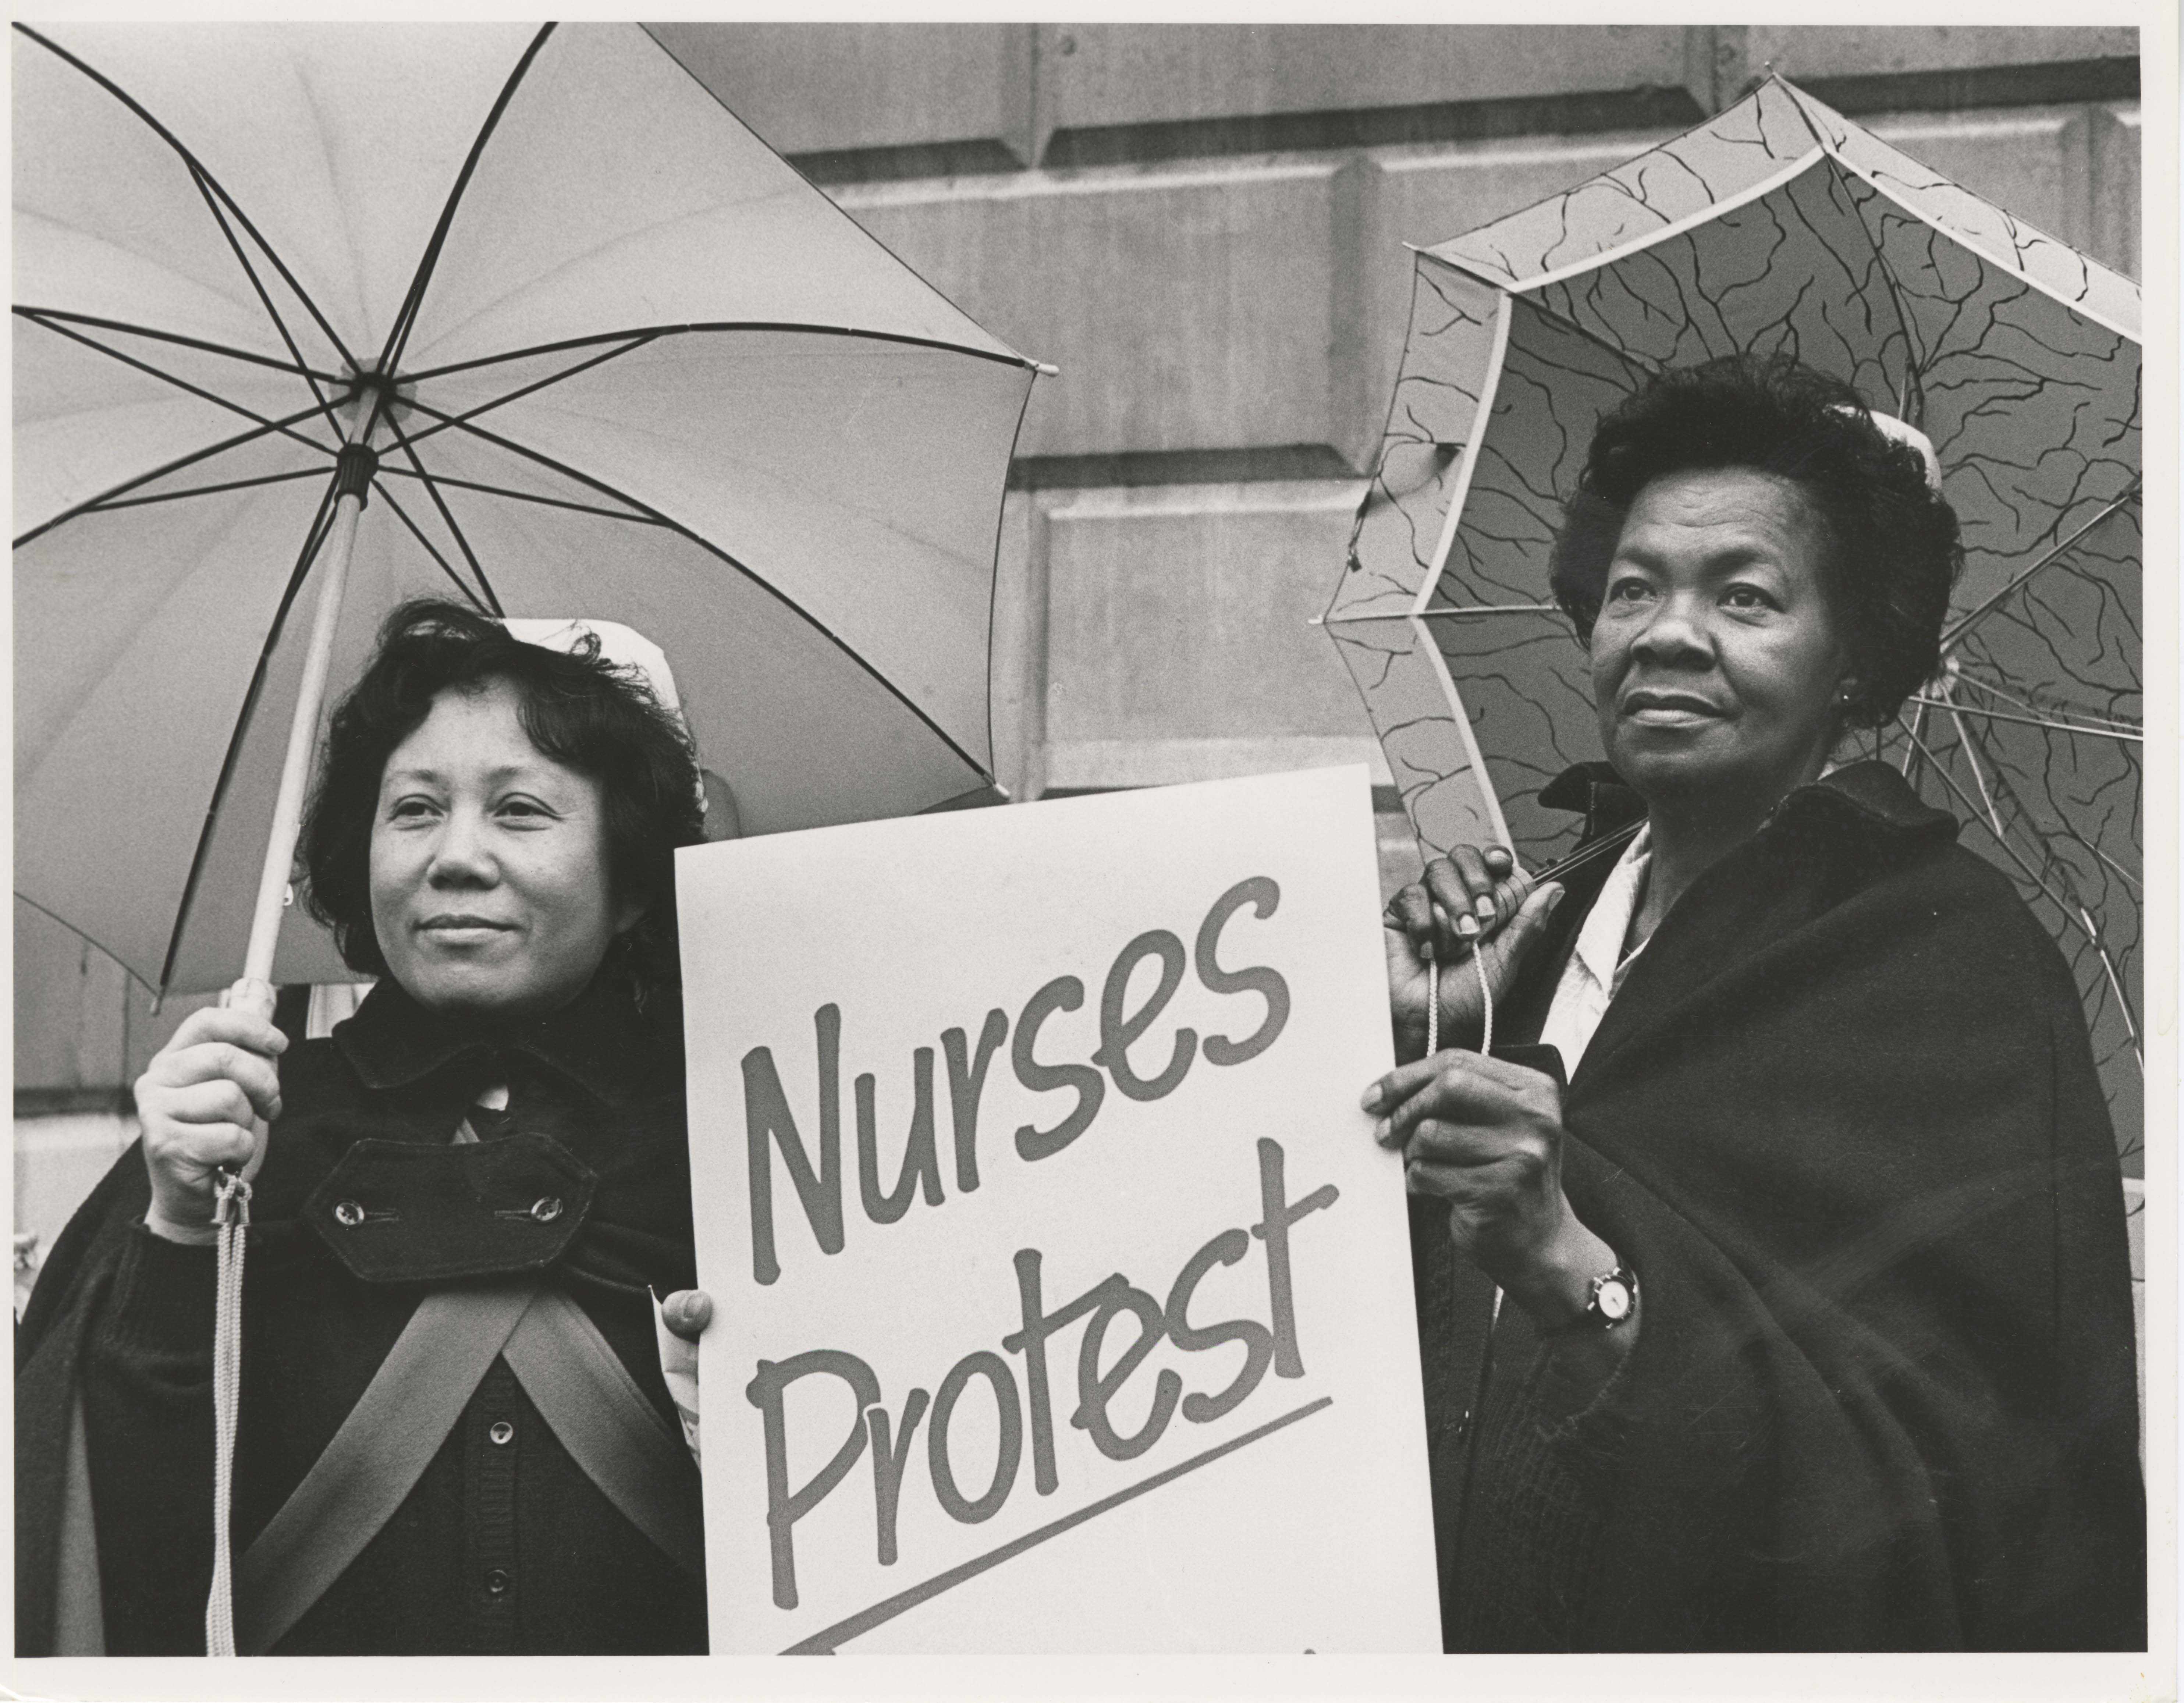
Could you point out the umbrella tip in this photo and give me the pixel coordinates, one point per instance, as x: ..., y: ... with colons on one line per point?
x: 1047, y: 368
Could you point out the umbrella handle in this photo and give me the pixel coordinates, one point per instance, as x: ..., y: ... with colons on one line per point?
x: 273, y: 875
x: 255, y: 997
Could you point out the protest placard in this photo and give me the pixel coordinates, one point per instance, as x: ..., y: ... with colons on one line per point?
x: 1063, y: 1298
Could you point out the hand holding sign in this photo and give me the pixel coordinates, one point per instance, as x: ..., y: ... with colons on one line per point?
x: 1092, y: 1329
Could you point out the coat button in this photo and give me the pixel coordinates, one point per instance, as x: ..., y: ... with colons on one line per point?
x: 497, y: 1581
x: 502, y: 1433
x: 348, y: 1214
x: 546, y: 1208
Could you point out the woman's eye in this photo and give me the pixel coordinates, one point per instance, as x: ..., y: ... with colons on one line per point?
x: 411, y: 809
x: 522, y: 809
x: 1628, y: 589
x: 1747, y: 597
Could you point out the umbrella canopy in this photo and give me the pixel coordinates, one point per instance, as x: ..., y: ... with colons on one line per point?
x: 612, y: 354
x: 1779, y: 226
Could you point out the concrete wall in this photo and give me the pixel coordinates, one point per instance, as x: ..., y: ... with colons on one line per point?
x: 1201, y: 226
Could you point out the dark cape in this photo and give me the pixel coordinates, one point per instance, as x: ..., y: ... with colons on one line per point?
x: 505, y: 1545
x: 1842, y: 1120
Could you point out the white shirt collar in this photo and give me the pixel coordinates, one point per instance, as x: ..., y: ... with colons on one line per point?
x: 1599, y: 941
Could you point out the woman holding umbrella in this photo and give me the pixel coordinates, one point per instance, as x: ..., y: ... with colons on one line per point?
x: 454, y: 1433
x: 1800, y: 1318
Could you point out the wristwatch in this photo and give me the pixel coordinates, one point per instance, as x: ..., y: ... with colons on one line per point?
x: 1614, y: 1300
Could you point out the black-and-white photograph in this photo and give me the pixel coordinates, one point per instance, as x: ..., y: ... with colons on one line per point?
x: 1453, y: 710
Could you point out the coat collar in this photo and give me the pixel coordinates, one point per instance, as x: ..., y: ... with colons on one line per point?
x: 1869, y: 793
x: 599, y: 1040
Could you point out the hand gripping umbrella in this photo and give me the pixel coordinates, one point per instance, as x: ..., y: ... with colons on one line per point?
x: 336, y: 315
x: 1779, y: 226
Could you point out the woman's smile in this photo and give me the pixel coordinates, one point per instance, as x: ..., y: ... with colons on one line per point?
x: 491, y: 892
x: 464, y: 931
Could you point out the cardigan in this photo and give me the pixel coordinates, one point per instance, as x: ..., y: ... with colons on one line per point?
x: 503, y: 1545
x: 1843, y: 1121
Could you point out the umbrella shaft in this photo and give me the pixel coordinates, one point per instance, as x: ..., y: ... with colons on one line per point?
x: 302, y: 736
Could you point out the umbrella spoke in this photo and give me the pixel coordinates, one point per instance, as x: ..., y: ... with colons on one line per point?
x: 849, y: 652
x: 1965, y: 745
x: 286, y: 428
x: 2089, y: 719
x: 2070, y: 912
x: 105, y: 498
x: 451, y: 481
x: 429, y: 548
x: 154, y: 335
x: 447, y: 515
x: 265, y: 300
x: 398, y: 336
x: 638, y: 340
x: 1955, y: 708
x: 1959, y: 628
x: 696, y: 327
x: 321, y: 524
x: 197, y: 169
x: 212, y: 490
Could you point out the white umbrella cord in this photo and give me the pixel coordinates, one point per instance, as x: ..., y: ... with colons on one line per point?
x: 1433, y: 1004
x: 231, y: 1215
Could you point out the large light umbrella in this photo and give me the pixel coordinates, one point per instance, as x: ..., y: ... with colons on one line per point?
x: 310, y: 319
x: 1779, y: 225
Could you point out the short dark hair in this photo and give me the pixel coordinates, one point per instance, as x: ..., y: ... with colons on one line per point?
x: 576, y: 707
x: 1892, y: 553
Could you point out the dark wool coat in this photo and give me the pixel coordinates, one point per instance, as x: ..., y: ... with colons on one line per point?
x: 1842, y: 1120
x: 505, y: 1545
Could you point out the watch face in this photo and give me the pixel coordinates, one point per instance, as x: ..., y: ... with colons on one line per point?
x: 1613, y: 1300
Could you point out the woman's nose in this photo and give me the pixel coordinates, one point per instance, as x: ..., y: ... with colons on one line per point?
x: 462, y: 857
x: 1675, y: 633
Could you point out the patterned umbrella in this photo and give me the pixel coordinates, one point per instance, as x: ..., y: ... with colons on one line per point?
x: 1779, y: 226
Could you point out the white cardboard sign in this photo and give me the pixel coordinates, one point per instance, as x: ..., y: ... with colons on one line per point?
x: 1063, y: 1298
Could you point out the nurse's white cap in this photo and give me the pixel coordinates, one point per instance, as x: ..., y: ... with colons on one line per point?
x: 1904, y: 432
x: 628, y: 648
x: 624, y: 646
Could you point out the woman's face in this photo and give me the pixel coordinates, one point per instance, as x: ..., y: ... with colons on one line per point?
x: 490, y: 893
x: 1716, y: 661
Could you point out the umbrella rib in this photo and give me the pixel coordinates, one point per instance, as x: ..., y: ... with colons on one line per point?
x: 446, y: 515
x: 398, y: 335
x: 514, y: 496
x: 1979, y: 774
x: 794, y: 327
x: 287, y: 430
x: 1958, y: 628
x: 2115, y: 983
x: 145, y: 330
x: 2073, y: 909
x: 160, y: 473
x: 711, y: 548
x: 2094, y: 720
x: 264, y: 299
x: 197, y: 166
x: 320, y: 524
x: 2015, y: 856
x: 212, y: 490
x: 429, y: 548
x: 1955, y: 708
x: 637, y: 341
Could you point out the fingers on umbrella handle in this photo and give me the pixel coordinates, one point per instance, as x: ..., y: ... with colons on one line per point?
x: 255, y: 996
x: 250, y: 995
